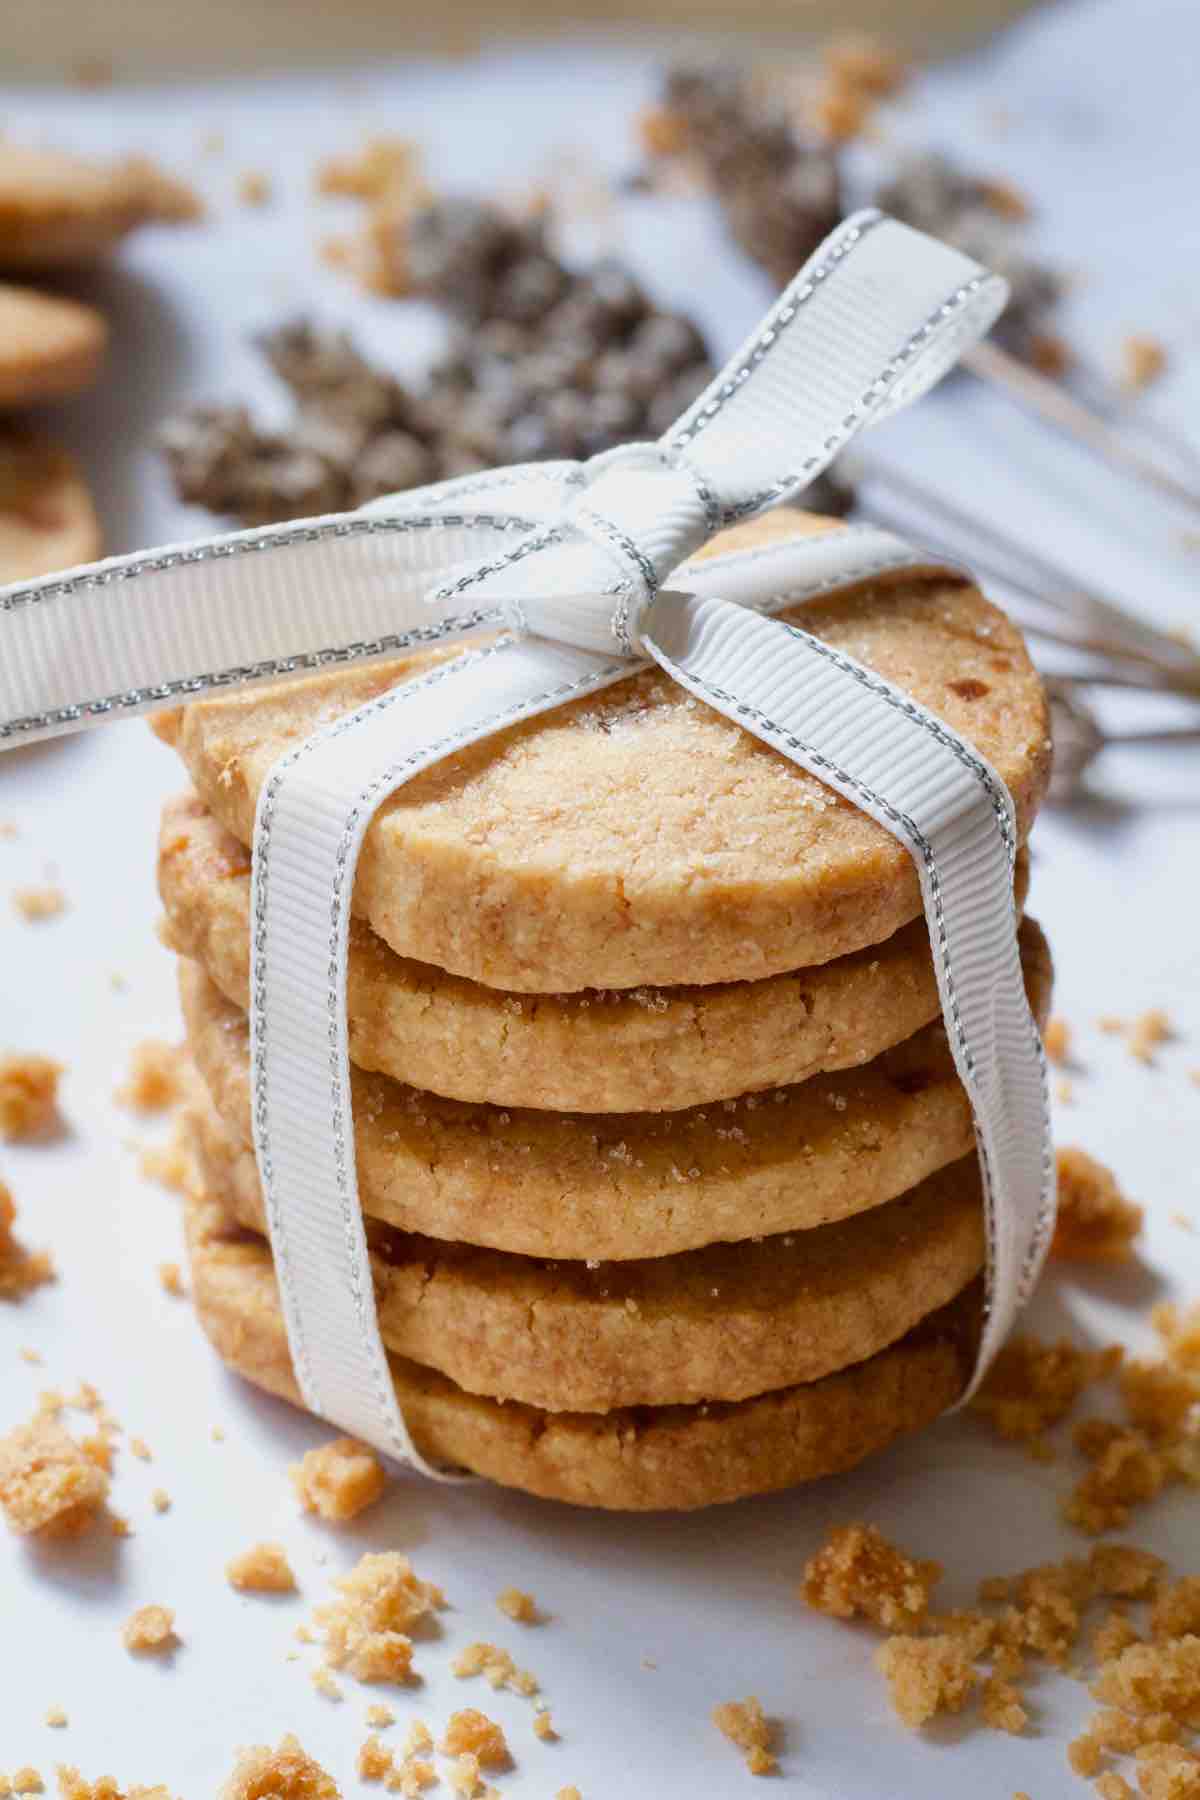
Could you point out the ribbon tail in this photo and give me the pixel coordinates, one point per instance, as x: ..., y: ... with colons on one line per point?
x: 954, y: 816
x: 313, y: 812
x: 134, y: 633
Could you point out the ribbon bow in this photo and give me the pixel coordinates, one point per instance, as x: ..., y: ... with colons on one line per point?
x: 571, y: 563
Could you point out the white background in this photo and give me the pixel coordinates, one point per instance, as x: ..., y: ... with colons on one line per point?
x: 1100, y: 128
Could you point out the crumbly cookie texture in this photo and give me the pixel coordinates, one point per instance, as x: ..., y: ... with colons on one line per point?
x: 263, y: 1569
x: 338, y: 1480
x: 519, y: 1606
x: 285, y: 1773
x: 617, y: 1186
x: 857, y: 1572
x: 702, y: 856
x: 744, y: 1723
x: 28, y: 1094
x: 674, y: 1457
x: 50, y: 346
x: 365, y: 1628
x: 470, y: 1732
x: 1096, y: 1223
x: 48, y: 1483
x: 601, y: 1050
x: 150, y: 1628
x: 47, y: 519
x: 58, y: 210
x: 715, y: 1324
x: 21, y: 1270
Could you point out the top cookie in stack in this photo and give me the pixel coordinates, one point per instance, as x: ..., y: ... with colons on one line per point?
x: 628, y: 992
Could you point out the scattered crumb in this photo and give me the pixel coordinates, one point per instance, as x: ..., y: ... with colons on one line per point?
x: 859, y: 1572
x: 1057, y: 1039
x: 21, y: 1270
x: 169, y: 1163
x: 365, y: 1627
x: 1148, y: 1031
x: 286, y: 1773
x: 263, y: 1569
x: 1154, y: 1678
x: 28, y: 1355
x: 543, y: 1726
x: 496, y: 1666
x: 380, y: 1716
x: 118, y: 1526
x: 469, y: 1732
x: 8, y: 831
x: 419, y: 1738
x: 744, y: 1723
x: 1032, y: 1385
x: 1002, y: 1707
x: 254, y: 188
x: 56, y: 1718
x: 37, y: 903
x: 1143, y: 360
x: 155, y: 1079
x: 217, y: 1434
x: 140, y: 1448
x: 338, y: 1480
x: 464, y: 1775
x: 27, y: 1781
x: 47, y: 1483
x: 160, y: 1500
x: 28, y: 1094
x: 1096, y: 1223
x: 568, y: 1793
x: 324, y: 1683
x: 519, y: 1606
x: 171, y: 1277
x: 150, y: 1628
x: 1005, y: 199
x: 375, y: 1760
x: 926, y: 1676
x: 1084, y: 1756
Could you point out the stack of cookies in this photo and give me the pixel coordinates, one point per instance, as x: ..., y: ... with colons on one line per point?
x: 669, y: 1180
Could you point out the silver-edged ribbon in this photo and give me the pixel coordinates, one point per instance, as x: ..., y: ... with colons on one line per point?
x: 583, y: 568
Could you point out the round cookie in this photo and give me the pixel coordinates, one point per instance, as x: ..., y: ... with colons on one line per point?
x: 718, y: 1324
x: 49, y: 346
x: 47, y: 520
x: 636, y: 836
x: 614, y: 1050
x: 632, y: 1459
x: 615, y: 1186
x: 57, y: 210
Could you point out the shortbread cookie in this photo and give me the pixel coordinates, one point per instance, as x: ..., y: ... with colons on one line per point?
x: 614, y: 1050
x: 636, y: 836
x: 47, y: 520
x: 633, y: 1459
x: 717, y: 1324
x: 49, y: 346
x: 613, y: 1186
x: 57, y: 209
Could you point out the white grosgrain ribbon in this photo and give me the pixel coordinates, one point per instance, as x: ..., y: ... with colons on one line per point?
x: 583, y: 568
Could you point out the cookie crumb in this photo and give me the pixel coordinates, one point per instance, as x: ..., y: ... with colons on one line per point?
x: 263, y: 1569
x: 464, y: 1776
x: 519, y: 1606
x: 859, y: 1572
x: 155, y: 1079
x: 375, y: 1760
x: 568, y: 1793
x: 160, y: 1500
x: 1154, y: 1678
x: 926, y: 1676
x: 745, y: 1724
x: 27, y: 1354
x: 36, y: 904
x: 27, y: 1781
x: 21, y: 1270
x: 150, y: 1628
x: 1148, y: 1031
x: 56, y: 1718
x: 469, y: 1732
x: 1056, y: 1039
x: 1032, y: 1385
x: 254, y: 188
x: 1143, y: 360
x: 171, y: 1277
x: 365, y: 1627
x: 543, y: 1726
x: 140, y: 1448
x: 1096, y: 1223
x: 1002, y: 1707
x: 28, y: 1095
x: 496, y: 1666
x: 338, y: 1480
x: 325, y: 1685
x: 169, y: 1164
x: 286, y: 1773
x: 47, y: 1483
x: 380, y: 1716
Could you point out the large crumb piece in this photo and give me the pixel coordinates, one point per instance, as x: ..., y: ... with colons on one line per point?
x: 1096, y: 1223
x: 1123, y: 1572
x: 471, y: 1732
x: 497, y: 1667
x: 365, y: 1628
x: 1127, y: 1472
x: 745, y: 1724
x: 375, y: 1760
x: 21, y: 1270
x: 47, y: 1483
x: 1032, y: 1385
x: 155, y: 1078
x: 150, y: 1628
x: 28, y: 1094
x: 338, y: 1480
x: 859, y: 1572
x: 1154, y: 1678
x: 519, y: 1606
x: 286, y: 1773
x: 1158, y: 1397
x: 926, y: 1676
x: 1168, y: 1772
x: 263, y: 1569
x: 36, y: 904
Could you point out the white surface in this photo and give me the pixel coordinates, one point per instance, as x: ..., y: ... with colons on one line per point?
x: 1101, y: 132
